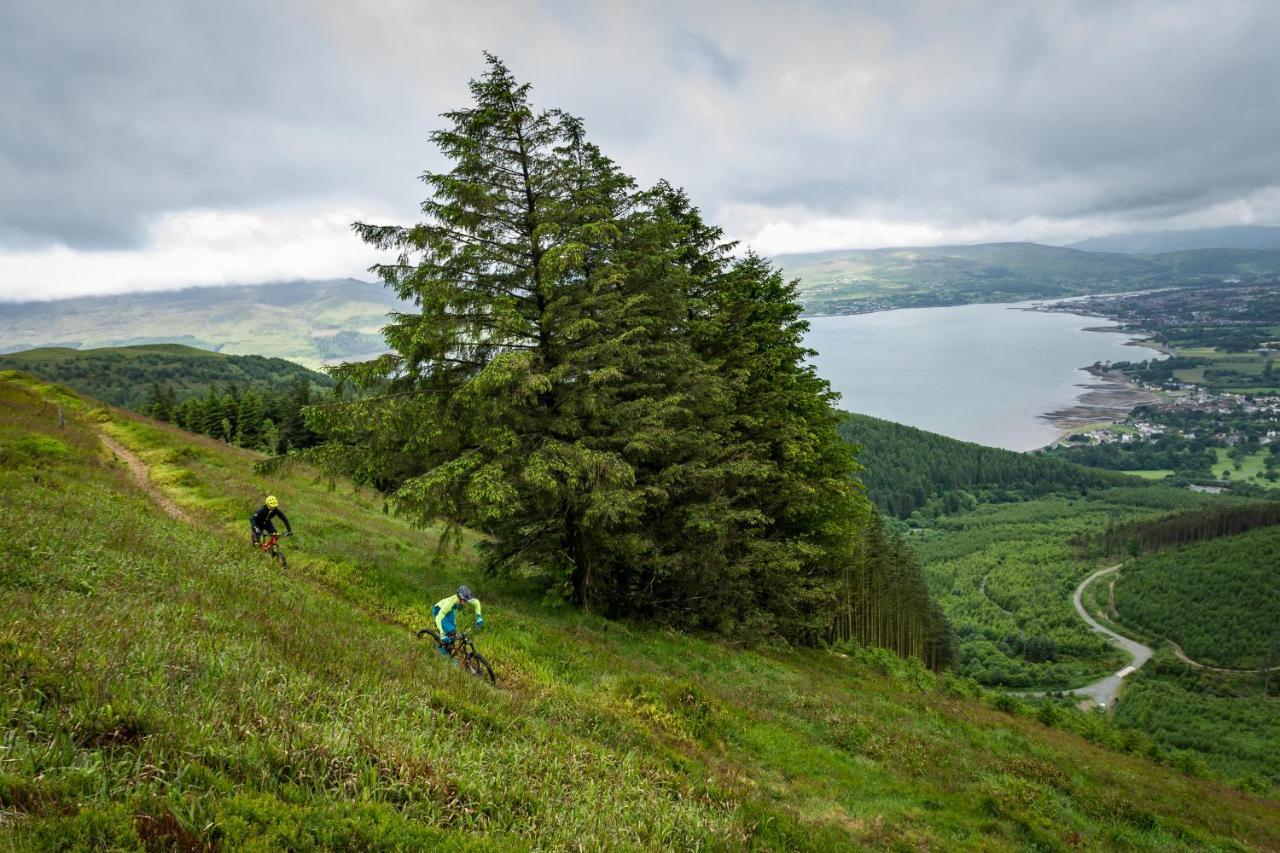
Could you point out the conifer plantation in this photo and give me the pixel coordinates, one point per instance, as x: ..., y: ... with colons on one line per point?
x: 623, y: 406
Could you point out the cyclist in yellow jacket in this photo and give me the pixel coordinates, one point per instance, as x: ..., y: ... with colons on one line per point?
x: 445, y: 613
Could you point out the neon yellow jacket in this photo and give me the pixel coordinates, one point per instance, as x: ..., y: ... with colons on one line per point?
x: 446, y: 606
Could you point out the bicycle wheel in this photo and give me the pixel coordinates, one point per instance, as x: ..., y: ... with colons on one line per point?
x: 427, y: 632
x: 279, y: 557
x: 479, y: 667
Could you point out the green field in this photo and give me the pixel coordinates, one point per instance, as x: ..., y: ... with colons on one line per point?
x: 164, y: 687
x: 1157, y: 474
x: 1251, y: 470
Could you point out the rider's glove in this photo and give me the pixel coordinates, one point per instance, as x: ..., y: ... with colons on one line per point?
x: 479, y: 621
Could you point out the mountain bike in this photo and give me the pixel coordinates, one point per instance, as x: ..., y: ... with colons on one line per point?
x: 464, y: 653
x: 269, y: 543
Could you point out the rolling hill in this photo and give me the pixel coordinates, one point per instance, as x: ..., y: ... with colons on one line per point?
x: 858, y: 281
x: 1157, y: 242
x: 166, y: 687
x: 124, y: 376
x: 309, y: 322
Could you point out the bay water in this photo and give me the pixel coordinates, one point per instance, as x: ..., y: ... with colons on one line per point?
x: 982, y: 373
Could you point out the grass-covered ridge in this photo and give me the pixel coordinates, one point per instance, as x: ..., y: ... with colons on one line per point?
x: 164, y: 686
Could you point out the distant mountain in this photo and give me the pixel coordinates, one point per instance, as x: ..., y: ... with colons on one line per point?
x: 124, y: 376
x: 309, y: 322
x: 857, y: 281
x: 1159, y: 242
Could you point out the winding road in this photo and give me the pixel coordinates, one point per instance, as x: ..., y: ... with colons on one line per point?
x: 1103, y: 691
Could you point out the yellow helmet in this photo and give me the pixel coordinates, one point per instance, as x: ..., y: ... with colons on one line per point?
x: 272, y: 502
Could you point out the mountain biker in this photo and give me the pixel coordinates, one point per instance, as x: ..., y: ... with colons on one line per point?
x: 445, y: 613
x: 260, y: 521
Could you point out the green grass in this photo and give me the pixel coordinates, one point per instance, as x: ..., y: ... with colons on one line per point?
x: 164, y: 686
x: 1251, y: 470
x: 1154, y: 474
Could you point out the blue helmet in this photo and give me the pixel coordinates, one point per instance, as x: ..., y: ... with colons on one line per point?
x: 465, y: 594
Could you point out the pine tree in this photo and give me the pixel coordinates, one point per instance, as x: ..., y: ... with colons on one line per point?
x: 249, y: 424
x: 211, y: 414
x: 588, y: 376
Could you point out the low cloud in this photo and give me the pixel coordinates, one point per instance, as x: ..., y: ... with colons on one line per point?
x: 198, y: 248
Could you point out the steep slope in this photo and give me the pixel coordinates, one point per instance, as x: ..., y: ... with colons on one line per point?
x: 310, y: 322
x: 165, y: 686
x: 124, y: 376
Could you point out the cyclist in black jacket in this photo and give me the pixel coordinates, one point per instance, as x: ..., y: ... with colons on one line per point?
x: 260, y: 521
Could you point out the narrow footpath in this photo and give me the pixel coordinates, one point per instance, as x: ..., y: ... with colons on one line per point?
x: 139, y: 470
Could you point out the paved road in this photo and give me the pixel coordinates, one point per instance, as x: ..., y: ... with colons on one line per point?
x: 1104, y: 690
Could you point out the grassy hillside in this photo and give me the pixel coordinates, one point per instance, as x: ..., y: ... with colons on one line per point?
x: 857, y: 281
x: 164, y: 686
x: 309, y: 322
x: 1219, y: 600
x: 124, y: 376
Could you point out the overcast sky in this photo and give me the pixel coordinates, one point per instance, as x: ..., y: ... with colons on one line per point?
x: 159, y: 143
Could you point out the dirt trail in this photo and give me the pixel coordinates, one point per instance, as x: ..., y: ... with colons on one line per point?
x: 1177, y: 650
x: 140, y: 471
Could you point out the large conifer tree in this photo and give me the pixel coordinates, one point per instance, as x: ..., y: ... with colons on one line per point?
x: 589, y: 376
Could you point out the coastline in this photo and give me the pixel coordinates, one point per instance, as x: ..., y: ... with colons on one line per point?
x: 1113, y: 395
x: 1111, y: 398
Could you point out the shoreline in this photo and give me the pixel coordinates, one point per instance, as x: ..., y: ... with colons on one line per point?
x: 1109, y: 399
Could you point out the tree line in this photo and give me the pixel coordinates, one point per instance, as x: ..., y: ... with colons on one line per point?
x: 255, y: 418
x: 593, y: 378
x: 1183, y: 528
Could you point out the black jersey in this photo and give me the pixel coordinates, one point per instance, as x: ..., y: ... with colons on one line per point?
x: 262, y: 518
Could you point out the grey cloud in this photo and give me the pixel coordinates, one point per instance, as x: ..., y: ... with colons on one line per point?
x: 942, y: 113
x: 118, y: 112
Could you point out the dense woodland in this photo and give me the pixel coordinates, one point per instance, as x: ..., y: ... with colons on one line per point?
x: 1205, y: 721
x: 593, y: 379
x: 1186, y: 459
x: 1004, y: 576
x: 914, y: 472
x: 1184, y: 528
x: 263, y: 420
x: 1220, y: 600
x: 245, y: 400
